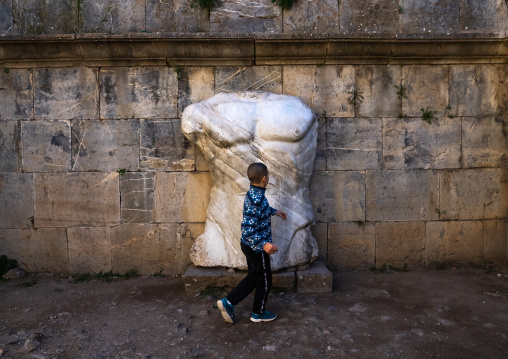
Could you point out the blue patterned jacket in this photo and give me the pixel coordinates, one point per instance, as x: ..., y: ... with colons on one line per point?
x: 256, y: 223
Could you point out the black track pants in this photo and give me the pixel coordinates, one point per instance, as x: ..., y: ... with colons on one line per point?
x: 259, y: 277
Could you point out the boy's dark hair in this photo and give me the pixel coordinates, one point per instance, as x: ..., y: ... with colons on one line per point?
x: 256, y: 172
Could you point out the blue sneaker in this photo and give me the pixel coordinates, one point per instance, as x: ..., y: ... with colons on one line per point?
x: 266, y: 316
x: 227, y: 310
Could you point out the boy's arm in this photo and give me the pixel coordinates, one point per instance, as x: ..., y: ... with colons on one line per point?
x: 281, y: 214
x: 270, y: 248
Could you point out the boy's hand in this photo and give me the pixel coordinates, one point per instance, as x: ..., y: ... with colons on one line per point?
x: 281, y: 214
x: 270, y: 248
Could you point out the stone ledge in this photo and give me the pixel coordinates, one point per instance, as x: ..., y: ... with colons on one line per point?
x: 241, y: 50
x: 197, y: 279
x: 317, y: 279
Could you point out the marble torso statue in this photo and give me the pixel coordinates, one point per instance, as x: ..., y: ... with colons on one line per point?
x: 233, y: 131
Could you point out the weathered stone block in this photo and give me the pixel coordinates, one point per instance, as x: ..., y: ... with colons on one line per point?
x: 9, y: 146
x: 354, y: 144
x: 196, y: 84
x: 425, y: 87
x: 6, y: 23
x: 338, y: 196
x: 502, y: 71
x: 188, y: 234
x: 474, y: 90
x: 316, y: 279
x: 105, y: 145
x: 456, y: 242
x: 113, y: 16
x: 40, y: 250
x: 369, y: 17
x: 181, y: 196
x: 66, y: 93
x: 34, y: 17
x: 474, y: 194
x: 495, y: 240
x: 258, y: 78
x: 429, y: 17
x: 320, y: 160
x: 484, y: 142
x: 76, y: 199
x: 284, y: 280
x: 325, y: 89
x: 373, y: 81
x: 312, y: 17
x: 487, y: 17
x: 197, y: 279
x: 148, y: 248
x: 320, y: 232
x: 46, y: 146
x: 400, y: 243
x: 402, y: 195
x: 16, y: 196
x: 413, y: 143
x: 164, y: 147
x: 175, y: 16
x: 29, y: 16
x: 16, y: 92
x: 246, y: 17
x: 137, y: 197
x: 89, y: 249
x: 138, y: 92
x: 352, y: 245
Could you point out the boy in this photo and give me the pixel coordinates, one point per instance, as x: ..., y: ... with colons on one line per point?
x: 256, y: 244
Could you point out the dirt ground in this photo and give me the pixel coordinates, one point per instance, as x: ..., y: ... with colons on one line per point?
x: 454, y: 313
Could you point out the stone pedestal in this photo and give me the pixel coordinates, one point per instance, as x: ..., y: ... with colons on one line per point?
x: 316, y: 279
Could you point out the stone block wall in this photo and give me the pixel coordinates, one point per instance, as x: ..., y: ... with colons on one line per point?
x: 314, y: 18
x: 97, y: 176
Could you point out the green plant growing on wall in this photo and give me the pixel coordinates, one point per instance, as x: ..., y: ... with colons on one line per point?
x: 122, y: 171
x: 284, y: 4
x: 6, y: 70
x: 178, y: 71
x: 205, y: 4
x: 401, y: 91
x: 324, y: 62
x: 400, y: 9
x: 355, y: 97
x: 428, y: 115
x: 448, y: 109
x: 402, y: 115
x: 439, y: 213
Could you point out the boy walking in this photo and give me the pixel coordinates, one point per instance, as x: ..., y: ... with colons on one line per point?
x: 256, y: 244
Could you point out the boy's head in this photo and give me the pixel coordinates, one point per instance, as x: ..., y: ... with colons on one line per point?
x: 258, y: 174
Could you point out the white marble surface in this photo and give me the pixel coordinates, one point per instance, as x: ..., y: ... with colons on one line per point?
x: 233, y: 131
